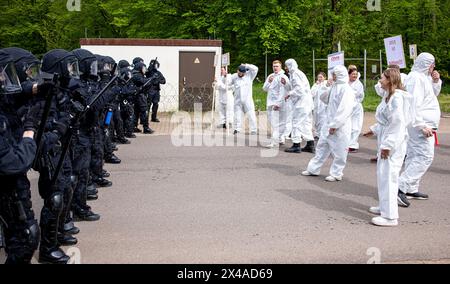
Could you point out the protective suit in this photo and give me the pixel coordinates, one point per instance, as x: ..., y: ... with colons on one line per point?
x: 426, y: 114
x: 302, y: 104
x: 243, y: 98
x: 276, y: 105
x: 358, y: 113
x: 436, y: 87
x: 340, y: 101
x: 391, y: 132
x: 320, y: 108
x: 225, y: 99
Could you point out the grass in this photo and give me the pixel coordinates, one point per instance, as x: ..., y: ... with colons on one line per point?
x: 371, y: 99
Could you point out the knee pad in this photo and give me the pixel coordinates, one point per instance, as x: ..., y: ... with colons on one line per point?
x: 55, y: 203
x: 73, y: 180
x: 33, y: 234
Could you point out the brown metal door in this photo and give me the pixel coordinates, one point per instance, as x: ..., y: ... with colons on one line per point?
x: 196, y: 78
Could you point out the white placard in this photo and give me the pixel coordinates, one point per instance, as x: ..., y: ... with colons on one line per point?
x: 394, y: 51
x: 334, y: 60
x: 374, y: 69
x: 226, y: 59
x: 413, y: 51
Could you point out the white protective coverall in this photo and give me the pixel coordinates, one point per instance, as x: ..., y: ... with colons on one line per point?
x: 276, y: 92
x: 358, y: 113
x: 340, y: 101
x: 225, y: 99
x: 302, y: 103
x: 320, y: 108
x: 289, y: 111
x: 391, y: 131
x: 426, y: 114
x: 243, y: 98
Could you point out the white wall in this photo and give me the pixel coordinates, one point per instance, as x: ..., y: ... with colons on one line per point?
x: 168, y: 57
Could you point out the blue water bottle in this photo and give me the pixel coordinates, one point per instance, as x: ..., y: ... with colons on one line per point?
x: 108, y: 117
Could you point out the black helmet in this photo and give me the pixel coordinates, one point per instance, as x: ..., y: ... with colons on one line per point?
x: 86, y: 61
x: 61, y: 62
x: 138, y: 67
x: 105, y: 64
x: 27, y: 65
x: 123, y: 64
x: 9, y: 81
x: 136, y: 60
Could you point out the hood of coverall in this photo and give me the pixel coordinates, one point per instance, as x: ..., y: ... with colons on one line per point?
x: 341, y: 74
x: 423, y: 63
x: 291, y: 65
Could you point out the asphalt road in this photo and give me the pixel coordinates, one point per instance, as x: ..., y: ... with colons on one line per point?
x: 231, y: 205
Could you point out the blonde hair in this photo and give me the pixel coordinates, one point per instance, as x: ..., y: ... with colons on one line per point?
x: 277, y: 62
x: 395, y: 80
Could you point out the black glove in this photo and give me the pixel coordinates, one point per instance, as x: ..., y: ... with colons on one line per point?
x: 44, y: 87
x: 33, y: 117
x: 75, y: 126
x: 61, y: 126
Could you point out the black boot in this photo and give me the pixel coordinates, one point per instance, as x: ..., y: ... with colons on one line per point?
x: 91, y: 188
x: 309, y: 147
x: 65, y: 239
x: 136, y: 130
x: 148, y: 130
x: 85, y: 215
x: 294, y: 149
x: 105, y: 174
x: 70, y: 228
x: 101, y: 182
x: 113, y: 159
x: 130, y: 135
x: 123, y: 140
x: 49, y: 251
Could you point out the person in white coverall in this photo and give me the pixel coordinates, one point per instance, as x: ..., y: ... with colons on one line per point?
x: 393, y: 116
x: 302, y: 106
x: 320, y: 109
x: 427, y: 113
x: 225, y: 98
x: 335, y: 137
x: 242, y: 83
x: 358, y: 111
x: 275, y: 86
x: 288, y: 128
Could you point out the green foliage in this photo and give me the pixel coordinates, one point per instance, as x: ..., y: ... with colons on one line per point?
x: 249, y: 29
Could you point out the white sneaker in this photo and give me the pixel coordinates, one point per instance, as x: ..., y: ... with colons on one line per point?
x: 381, y: 221
x: 332, y: 178
x: 306, y: 173
x: 375, y: 210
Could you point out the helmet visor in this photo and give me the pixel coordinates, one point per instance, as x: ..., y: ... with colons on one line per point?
x: 9, y: 81
x: 33, y: 71
x: 72, y: 68
x: 94, y: 68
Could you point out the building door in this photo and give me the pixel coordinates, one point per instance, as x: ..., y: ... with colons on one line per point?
x: 196, y: 78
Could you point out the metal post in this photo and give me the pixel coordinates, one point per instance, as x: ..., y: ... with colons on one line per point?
x: 381, y: 64
x: 365, y: 68
x: 314, y: 67
x: 266, y: 67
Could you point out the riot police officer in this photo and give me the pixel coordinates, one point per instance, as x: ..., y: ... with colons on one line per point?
x: 140, y: 104
x: 21, y: 230
x: 155, y: 88
x: 127, y: 92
